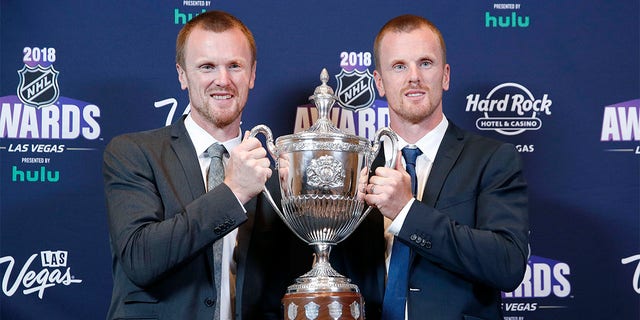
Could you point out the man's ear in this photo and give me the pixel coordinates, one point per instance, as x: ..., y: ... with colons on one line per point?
x: 379, y: 84
x: 182, y: 77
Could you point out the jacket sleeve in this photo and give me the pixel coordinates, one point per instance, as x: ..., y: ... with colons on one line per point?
x: 480, y: 231
x: 153, y: 226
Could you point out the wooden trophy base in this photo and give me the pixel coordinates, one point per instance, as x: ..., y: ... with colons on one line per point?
x: 323, y: 306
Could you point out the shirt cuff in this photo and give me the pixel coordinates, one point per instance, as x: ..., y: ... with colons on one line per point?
x: 396, y: 224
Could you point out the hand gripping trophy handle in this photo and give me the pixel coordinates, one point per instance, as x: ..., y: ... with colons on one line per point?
x: 393, y: 139
x: 271, y: 148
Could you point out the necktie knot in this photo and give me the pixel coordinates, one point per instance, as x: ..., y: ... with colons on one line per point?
x: 216, y: 150
x: 410, y: 154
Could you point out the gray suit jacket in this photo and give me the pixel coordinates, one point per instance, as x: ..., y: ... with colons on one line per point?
x: 162, y: 226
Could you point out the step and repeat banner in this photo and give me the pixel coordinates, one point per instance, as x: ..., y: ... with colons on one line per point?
x: 558, y: 79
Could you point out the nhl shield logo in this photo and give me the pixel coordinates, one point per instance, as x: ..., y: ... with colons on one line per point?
x: 355, y: 89
x: 38, y: 86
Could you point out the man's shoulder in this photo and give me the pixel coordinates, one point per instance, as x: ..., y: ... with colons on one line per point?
x: 481, y: 143
x: 145, y: 134
x: 471, y: 136
x: 153, y: 136
x: 157, y: 139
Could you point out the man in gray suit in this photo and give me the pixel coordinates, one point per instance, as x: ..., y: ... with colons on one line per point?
x: 164, y: 223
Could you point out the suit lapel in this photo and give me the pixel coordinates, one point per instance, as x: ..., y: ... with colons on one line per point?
x: 188, y: 161
x: 450, y: 149
x: 183, y: 148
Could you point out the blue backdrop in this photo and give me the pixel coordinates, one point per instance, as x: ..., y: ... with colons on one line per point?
x: 559, y: 79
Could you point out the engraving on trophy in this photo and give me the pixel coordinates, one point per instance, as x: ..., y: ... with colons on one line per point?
x: 335, y: 310
x: 311, y: 310
x: 329, y: 146
x: 355, y: 310
x: 292, y: 311
x: 325, y: 172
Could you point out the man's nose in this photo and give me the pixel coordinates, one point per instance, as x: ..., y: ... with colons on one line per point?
x: 222, y: 78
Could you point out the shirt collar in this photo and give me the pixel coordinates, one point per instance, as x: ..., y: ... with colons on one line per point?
x: 202, y: 139
x: 428, y: 144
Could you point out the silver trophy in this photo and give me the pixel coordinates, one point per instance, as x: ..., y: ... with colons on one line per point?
x: 322, y: 173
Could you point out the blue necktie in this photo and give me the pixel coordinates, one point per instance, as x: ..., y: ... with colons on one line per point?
x: 395, y: 296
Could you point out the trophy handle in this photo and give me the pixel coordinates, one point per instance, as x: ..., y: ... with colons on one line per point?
x: 271, y: 148
x: 393, y: 138
x: 261, y: 128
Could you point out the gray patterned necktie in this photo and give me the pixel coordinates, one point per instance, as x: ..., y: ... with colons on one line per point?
x: 216, y: 169
x: 214, y: 178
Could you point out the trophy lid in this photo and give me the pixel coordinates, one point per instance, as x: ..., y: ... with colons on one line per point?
x: 324, y: 99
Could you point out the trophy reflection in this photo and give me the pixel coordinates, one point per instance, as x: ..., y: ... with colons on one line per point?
x: 322, y: 172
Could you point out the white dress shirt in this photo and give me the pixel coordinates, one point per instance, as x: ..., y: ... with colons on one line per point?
x: 201, y: 141
x: 429, y: 145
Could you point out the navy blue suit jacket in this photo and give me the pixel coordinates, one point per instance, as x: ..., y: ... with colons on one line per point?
x: 468, y: 235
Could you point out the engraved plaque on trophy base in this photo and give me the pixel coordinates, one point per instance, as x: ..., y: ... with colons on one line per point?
x: 323, y: 306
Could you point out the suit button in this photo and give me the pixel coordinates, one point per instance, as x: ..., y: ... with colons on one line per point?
x: 418, y: 239
x: 209, y: 302
x: 413, y: 237
x: 428, y: 244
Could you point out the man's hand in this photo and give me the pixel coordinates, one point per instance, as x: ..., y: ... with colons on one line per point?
x: 389, y: 189
x: 248, y: 169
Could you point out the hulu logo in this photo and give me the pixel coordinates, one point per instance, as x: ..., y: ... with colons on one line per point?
x: 182, y: 18
x: 505, y: 21
x: 42, y: 175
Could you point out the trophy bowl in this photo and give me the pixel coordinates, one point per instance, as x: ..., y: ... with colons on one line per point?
x: 322, y: 173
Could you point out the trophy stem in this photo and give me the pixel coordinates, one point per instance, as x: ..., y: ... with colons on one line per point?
x: 322, y: 277
x: 321, y: 266
x: 322, y: 252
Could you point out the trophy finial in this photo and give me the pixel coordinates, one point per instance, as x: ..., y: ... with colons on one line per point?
x: 324, y: 99
x: 323, y: 91
x: 324, y: 76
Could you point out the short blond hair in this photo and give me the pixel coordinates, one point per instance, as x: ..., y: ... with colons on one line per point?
x: 406, y: 23
x: 216, y: 21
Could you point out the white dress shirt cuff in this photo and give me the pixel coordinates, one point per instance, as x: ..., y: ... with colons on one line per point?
x: 396, y: 224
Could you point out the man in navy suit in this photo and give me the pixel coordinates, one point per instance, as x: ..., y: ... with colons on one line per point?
x: 163, y: 222
x: 466, y: 228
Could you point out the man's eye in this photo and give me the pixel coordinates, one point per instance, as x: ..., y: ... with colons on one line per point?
x: 234, y: 66
x: 426, y: 64
x: 399, y: 67
x: 207, y: 67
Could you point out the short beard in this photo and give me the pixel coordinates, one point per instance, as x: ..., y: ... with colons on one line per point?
x: 221, y: 120
x: 415, y: 117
